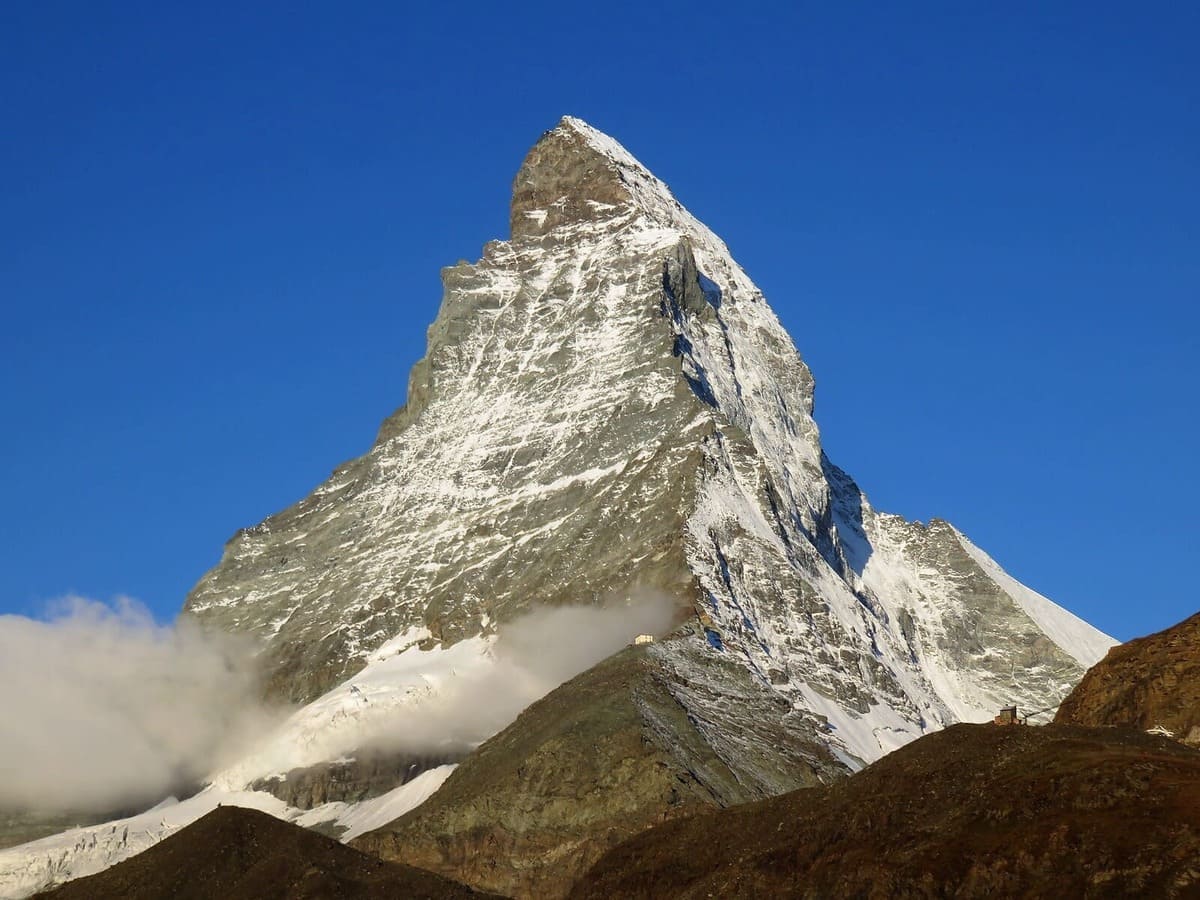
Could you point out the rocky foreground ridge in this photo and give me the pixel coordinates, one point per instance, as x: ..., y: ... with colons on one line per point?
x: 1150, y: 682
x: 1103, y: 803
x: 651, y: 734
x: 973, y: 811
x: 243, y: 854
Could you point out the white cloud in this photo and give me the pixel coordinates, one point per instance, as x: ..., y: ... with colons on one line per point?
x: 534, y: 653
x: 100, y: 707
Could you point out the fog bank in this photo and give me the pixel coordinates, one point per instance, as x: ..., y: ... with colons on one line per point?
x: 100, y: 707
x: 532, y: 655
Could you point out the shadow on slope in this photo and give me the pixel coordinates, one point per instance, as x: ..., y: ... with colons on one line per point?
x: 243, y: 854
x: 972, y: 811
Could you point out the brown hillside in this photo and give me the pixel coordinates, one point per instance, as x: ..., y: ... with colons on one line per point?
x: 242, y: 854
x: 1151, y: 681
x: 610, y: 753
x: 973, y: 811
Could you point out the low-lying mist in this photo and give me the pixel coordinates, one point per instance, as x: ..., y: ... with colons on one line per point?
x: 533, y: 654
x: 101, y: 708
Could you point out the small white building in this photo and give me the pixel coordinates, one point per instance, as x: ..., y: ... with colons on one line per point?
x: 643, y: 639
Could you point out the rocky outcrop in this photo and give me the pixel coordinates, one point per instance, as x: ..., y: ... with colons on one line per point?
x: 973, y: 811
x: 649, y: 735
x: 243, y: 854
x: 1151, y: 682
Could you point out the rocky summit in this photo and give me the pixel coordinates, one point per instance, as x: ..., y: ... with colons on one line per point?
x: 608, y: 413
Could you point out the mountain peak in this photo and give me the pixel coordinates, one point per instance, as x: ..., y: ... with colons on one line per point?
x: 608, y: 401
x: 577, y: 174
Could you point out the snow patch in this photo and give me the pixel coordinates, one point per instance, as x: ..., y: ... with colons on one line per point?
x: 359, y: 818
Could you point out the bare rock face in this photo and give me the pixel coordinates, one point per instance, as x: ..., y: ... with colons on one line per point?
x: 563, y: 182
x: 349, y: 780
x: 1150, y: 682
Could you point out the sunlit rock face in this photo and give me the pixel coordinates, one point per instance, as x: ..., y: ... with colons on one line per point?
x: 1150, y: 683
x: 608, y: 404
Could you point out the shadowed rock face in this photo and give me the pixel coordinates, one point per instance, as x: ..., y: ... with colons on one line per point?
x: 973, y: 811
x: 1149, y: 682
x: 649, y: 735
x: 235, y: 853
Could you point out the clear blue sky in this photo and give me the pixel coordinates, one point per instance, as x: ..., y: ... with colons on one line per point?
x: 222, y: 230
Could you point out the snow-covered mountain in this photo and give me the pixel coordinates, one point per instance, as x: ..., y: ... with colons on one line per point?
x: 608, y: 406
x: 608, y: 400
